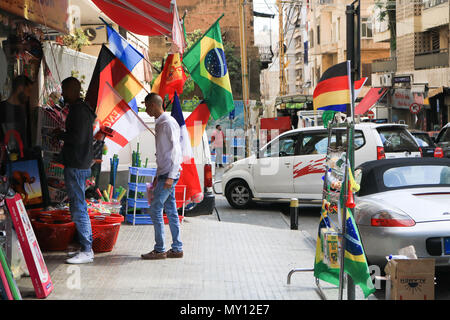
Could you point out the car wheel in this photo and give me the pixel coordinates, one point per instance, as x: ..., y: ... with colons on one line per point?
x: 238, y: 194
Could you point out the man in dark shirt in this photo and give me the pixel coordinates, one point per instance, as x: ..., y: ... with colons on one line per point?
x: 77, y: 155
x: 14, y: 114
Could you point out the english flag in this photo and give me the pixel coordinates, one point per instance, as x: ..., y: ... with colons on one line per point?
x: 189, y: 174
x: 113, y: 112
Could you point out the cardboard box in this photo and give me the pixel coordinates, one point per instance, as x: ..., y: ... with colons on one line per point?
x: 411, y: 279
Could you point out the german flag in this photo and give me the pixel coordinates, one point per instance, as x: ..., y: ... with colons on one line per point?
x: 109, y: 69
x: 333, y: 90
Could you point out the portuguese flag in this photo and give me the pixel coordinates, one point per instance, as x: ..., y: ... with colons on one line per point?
x: 109, y: 69
x: 207, y: 65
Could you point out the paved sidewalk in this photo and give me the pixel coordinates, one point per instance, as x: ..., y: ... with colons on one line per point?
x: 222, y: 261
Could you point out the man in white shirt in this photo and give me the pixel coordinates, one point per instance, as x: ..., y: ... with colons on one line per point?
x: 168, y: 161
x: 217, y: 143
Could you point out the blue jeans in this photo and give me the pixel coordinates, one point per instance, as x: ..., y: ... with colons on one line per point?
x: 165, y: 199
x: 75, y: 180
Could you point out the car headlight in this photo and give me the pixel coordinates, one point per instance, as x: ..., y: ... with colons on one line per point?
x: 228, y: 168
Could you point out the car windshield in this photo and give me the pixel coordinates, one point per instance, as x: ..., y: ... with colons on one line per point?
x: 397, y: 139
x: 444, y: 136
x: 409, y: 176
x: 423, y: 140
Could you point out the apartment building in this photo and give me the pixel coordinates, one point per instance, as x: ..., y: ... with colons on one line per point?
x: 417, y: 72
x: 326, y: 36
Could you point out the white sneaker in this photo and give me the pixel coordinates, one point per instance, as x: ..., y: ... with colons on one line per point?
x: 72, y: 254
x: 82, y: 257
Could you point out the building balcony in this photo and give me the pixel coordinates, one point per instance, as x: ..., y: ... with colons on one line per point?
x: 432, y: 59
x: 434, y: 14
x: 384, y: 65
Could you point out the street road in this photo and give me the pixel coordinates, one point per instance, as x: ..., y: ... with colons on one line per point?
x: 277, y: 215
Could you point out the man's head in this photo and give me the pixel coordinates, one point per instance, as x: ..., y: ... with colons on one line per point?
x: 21, y: 89
x: 154, y: 105
x: 218, y: 127
x: 71, y: 90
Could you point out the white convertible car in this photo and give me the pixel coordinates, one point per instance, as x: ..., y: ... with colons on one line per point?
x: 405, y: 202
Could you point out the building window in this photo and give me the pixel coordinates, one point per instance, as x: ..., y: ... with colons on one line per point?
x: 318, y: 34
x: 311, y: 39
x: 366, y: 28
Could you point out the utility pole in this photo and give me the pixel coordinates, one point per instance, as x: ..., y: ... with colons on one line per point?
x: 244, y: 71
x: 281, y: 52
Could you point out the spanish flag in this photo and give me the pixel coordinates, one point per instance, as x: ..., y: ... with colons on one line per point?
x: 171, y: 78
x: 333, y: 89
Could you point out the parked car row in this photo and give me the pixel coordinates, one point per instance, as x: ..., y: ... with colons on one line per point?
x: 401, y: 201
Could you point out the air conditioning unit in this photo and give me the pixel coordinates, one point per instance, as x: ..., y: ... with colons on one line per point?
x: 386, y: 80
x: 96, y: 34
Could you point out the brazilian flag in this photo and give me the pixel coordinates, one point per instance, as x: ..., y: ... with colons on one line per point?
x: 206, y: 63
x: 355, y: 263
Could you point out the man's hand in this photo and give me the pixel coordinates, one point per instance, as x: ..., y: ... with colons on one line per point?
x: 168, y: 184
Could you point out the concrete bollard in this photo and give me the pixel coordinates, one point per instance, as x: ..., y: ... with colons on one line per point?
x: 294, y: 213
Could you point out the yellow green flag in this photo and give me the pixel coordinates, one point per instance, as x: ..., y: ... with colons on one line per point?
x: 207, y: 65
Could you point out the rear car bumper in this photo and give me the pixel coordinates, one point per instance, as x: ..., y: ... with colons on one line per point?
x: 205, y: 207
x: 380, y: 242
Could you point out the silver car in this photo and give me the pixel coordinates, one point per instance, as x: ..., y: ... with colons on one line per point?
x: 404, y: 202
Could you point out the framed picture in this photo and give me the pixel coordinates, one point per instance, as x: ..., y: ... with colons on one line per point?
x: 27, y: 178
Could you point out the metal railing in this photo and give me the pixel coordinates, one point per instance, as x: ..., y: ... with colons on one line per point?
x: 384, y: 65
x: 431, y: 59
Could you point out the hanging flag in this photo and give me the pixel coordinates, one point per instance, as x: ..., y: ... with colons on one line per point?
x: 110, y: 69
x: 196, y: 123
x: 333, y: 89
x: 355, y: 263
x: 171, y: 78
x: 113, y: 112
x: 177, y: 113
x: 326, y: 264
x: 325, y: 268
x: 189, y: 174
x: 207, y: 65
x: 178, y: 39
x: 126, y: 53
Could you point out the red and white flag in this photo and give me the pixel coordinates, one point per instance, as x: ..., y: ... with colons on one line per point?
x: 178, y: 41
x: 189, y: 174
x: 113, y: 112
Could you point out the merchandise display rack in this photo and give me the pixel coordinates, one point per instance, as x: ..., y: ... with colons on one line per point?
x: 53, y: 170
x: 137, y: 195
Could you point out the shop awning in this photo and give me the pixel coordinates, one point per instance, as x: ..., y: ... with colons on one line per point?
x: 435, y: 91
x: 370, y: 99
x: 144, y: 17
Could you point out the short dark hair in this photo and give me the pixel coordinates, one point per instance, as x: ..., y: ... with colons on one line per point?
x: 21, y: 81
x: 217, y: 127
x: 153, y: 97
x: 71, y: 81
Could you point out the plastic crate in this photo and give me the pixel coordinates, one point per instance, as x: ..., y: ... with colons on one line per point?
x: 146, y: 219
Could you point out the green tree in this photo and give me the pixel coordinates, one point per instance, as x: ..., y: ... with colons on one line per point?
x: 388, y: 12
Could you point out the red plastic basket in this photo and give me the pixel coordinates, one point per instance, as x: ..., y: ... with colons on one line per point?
x: 113, y: 218
x: 54, y: 234
x: 166, y: 220
x: 104, y: 235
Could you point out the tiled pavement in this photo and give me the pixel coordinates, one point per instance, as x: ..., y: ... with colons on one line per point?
x: 222, y: 261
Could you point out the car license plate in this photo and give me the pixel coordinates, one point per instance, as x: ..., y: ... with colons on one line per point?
x: 447, y: 245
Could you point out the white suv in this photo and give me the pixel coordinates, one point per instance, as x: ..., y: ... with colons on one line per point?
x: 292, y: 164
